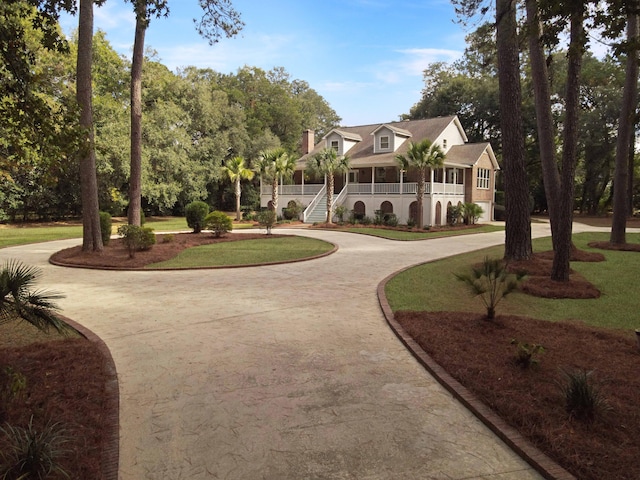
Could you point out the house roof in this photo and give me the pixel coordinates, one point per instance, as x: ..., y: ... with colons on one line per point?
x: 361, y: 154
x: 467, y: 155
x: 393, y: 128
x: 344, y: 134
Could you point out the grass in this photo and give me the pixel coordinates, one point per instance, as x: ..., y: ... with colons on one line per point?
x: 13, y: 235
x: 410, y: 235
x: 17, y: 235
x: 616, y: 278
x: 246, y: 252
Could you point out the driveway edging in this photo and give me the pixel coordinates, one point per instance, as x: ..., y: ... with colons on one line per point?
x: 547, y: 467
x: 111, y: 454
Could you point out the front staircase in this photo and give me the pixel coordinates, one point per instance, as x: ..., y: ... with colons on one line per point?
x: 319, y: 212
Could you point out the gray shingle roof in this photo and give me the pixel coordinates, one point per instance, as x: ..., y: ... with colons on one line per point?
x: 362, y: 154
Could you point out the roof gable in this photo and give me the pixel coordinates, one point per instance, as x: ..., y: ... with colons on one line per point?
x: 362, y: 152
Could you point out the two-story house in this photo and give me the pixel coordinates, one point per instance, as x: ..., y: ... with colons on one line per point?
x: 376, y: 182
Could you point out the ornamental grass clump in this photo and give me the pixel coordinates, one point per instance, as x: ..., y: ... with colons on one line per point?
x: 583, y: 399
x: 491, y: 282
x: 32, y: 452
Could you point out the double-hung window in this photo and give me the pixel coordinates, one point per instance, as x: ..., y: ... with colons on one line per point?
x: 484, y: 178
x: 384, y: 142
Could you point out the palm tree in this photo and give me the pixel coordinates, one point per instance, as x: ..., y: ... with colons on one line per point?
x: 422, y: 156
x: 17, y: 300
x: 328, y: 162
x: 275, y: 164
x: 237, y: 171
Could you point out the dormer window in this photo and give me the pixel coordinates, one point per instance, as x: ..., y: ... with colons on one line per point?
x: 384, y: 142
x: 335, y: 145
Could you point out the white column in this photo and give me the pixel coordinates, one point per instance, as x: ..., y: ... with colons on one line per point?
x: 373, y: 180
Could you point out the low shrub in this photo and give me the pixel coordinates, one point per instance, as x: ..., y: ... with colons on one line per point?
x: 267, y: 219
x: 293, y: 210
x: 454, y: 214
x: 147, y: 238
x: 366, y: 220
x: 219, y: 223
x: 195, y: 213
x: 390, y: 220
x: 341, y: 211
x: 105, y: 227
x: 526, y: 353
x: 168, y: 238
x: 136, y: 238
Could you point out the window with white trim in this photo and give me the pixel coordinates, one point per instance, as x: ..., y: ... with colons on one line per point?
x: 384, y: 142
x: 335, y: 145
x: 484, y: 178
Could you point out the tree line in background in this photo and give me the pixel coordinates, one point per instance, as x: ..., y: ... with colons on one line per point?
x: 469, y: 88
x: 193, y: 121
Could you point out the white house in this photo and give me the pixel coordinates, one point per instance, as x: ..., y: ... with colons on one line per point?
x: 376, y: 182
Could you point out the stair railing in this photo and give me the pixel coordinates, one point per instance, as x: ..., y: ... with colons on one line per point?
x: 313, y: 204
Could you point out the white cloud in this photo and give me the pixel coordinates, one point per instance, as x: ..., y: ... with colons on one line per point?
x: 264, y: 51
x: 111, y: 15
x: 420, y: 58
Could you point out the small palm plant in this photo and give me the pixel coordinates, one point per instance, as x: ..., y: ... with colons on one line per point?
x: 491, y: 281
x: 18, y: 300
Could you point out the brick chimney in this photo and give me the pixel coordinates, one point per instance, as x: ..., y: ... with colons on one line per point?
x: 308, y: 141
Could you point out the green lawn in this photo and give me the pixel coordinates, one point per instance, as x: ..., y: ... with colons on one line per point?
x: 246, y: 252
x: 407, y: 235
x: 616, y: 278
x: 11, y: 235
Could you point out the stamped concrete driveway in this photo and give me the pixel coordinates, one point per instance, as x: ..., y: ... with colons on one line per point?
x: 277, y: 372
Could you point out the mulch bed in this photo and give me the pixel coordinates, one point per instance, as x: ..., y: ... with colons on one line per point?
x: 65, y: 383
x: 479, y: 354
x: 116, y: 255
x: 539, y: 283
x: 621, y: 247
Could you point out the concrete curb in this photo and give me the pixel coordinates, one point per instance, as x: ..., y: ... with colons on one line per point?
x: 111, y: 454
x: 532, y: 455
x: 170, y: 269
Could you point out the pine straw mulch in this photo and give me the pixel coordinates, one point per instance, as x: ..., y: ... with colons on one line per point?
x: 66, y: 382
x: 168, y: 245
x: 480, y: 355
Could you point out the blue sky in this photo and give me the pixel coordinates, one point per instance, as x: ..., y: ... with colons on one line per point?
x: 365, y: 57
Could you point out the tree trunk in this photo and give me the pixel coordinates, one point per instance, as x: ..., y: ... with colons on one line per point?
x: 135, y: 175
x: 544, y: 117
x: 420, y: 198
x: 625, y: 131
x: 238, y: 193
x: 91, y: 237
x: 274, y: 194
x: 518, y: 218
x: 330, y: 187
x: 562, y: 254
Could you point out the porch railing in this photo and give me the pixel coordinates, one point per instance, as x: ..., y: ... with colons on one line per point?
x: 294, y: 190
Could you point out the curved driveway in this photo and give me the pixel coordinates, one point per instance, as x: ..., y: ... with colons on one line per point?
x: 277, y: 372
